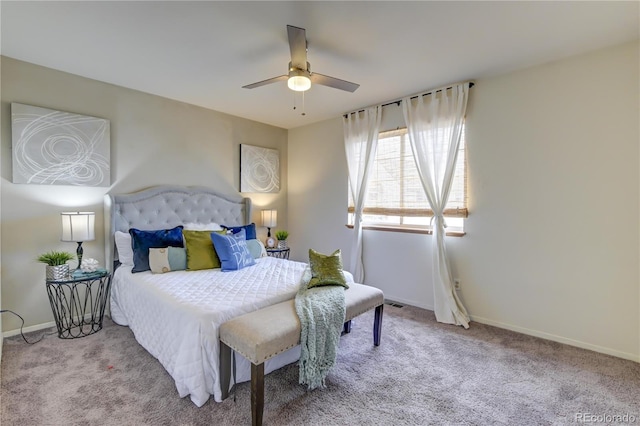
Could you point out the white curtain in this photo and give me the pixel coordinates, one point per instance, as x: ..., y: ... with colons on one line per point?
x: 435, y: 123
x: 360, y: 143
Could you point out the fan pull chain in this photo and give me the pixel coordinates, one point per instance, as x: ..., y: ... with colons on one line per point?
x: 294, y: 103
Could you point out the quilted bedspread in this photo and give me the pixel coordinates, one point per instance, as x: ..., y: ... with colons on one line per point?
x: 176, y: 316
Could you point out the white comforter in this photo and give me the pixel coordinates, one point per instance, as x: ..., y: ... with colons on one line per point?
x: 176, y: 316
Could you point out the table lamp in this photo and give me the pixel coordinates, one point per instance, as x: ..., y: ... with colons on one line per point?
x: 78, y: 227
x: 270, y: 220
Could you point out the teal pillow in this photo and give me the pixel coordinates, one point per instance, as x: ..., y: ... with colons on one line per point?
x: 256, y: 248
x: 326, y: 269
x: 232, y: 251
x: 167, y: 259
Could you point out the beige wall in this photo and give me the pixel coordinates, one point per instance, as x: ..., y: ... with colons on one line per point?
x: 547, y: 147
x: 153, y: 141
x: 552, y: 244
x: 1, y: 121
x: 317, y: 190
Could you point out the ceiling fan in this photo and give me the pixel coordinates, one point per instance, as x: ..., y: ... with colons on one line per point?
x: 300, y: 76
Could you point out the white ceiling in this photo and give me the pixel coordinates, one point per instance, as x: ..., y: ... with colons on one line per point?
x: 203, y: 52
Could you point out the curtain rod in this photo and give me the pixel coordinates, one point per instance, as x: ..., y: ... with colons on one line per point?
x: 399, y: 101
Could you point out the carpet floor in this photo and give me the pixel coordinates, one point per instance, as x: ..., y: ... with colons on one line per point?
x: 424, y: 373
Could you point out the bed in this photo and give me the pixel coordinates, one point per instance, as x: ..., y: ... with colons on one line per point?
x: 176, y: 316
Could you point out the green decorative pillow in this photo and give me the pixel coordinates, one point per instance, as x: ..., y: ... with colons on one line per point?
x: 200, y: 251
x: 167, y: 259
x: 326, y: 269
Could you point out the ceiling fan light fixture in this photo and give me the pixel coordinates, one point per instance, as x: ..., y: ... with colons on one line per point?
x: 299, y: 83
x: 299, y: 76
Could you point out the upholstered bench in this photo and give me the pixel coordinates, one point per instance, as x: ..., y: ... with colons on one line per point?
x: 263, y: 334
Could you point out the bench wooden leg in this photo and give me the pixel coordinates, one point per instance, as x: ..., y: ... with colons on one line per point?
x: 377, y: 325
x: 347, y: 327
x: 225, y: 369
x: 257, y: 393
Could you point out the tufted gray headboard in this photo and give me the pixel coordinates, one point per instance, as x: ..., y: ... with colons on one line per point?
x: 166, y: 206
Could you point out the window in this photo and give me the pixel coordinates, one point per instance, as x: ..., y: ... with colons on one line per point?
x: 395, y: 197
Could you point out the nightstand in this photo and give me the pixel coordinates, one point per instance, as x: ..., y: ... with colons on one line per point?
x: 78, y: 303
x: 280, y: 253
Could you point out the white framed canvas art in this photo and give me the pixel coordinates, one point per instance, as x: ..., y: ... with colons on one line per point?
x: 259, y: 169
x: 59, y: 148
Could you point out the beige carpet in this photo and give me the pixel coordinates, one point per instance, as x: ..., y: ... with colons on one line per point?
x: 424, y: 373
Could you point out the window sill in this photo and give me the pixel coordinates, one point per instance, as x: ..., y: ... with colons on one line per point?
x: 408, y: 229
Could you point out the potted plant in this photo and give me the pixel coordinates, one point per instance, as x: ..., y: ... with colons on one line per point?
x: 56, y: 261
x: 282, y: 238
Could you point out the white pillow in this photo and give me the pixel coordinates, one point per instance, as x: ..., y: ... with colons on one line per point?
x: 125, y: 251
x: 202, y: 227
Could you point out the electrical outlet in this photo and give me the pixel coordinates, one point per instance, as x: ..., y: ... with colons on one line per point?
x: 456, y: 284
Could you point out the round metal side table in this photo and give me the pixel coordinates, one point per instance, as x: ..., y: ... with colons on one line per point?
x: 78, y: 303
x: 281, y: 253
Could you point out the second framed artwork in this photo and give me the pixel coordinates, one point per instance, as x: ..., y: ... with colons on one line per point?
x: 259, y: 169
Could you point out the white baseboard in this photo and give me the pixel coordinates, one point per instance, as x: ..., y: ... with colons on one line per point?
x: 29, y: 329
x: 37, y: 327
x: 559, y: 339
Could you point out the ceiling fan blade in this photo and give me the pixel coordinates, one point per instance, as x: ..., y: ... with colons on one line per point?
x: 265, y: 82
x: 298, y: 46
x: 336, y: 83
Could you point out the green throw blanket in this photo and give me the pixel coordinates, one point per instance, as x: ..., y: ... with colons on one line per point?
x: 321, y: 311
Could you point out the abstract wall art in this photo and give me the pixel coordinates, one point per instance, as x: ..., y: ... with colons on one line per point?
x: 59, y: 148
x: 259, y: 169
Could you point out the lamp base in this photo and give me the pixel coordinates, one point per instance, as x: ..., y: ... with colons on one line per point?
x: 79, y: 253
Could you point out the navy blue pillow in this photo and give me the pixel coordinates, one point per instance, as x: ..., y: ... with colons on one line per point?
x: 142, y: 241
x: 232, y: 250
x: 249, y: 229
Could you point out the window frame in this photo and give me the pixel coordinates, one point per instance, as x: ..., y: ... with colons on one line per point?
x: 458, y: 212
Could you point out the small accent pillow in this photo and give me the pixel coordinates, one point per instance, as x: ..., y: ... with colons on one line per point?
x: 202, y: 226
x: 326, y: 269
x: 233, y: 251
x: 167, y: 259
x: 249, y: 229
x: 123, y: 245
x: 142, y: 241
x: 256, y: 248
x: 200, y: 251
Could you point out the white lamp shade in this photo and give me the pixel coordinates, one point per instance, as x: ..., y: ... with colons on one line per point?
x: 78, y: 226
x: 270, y: 218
